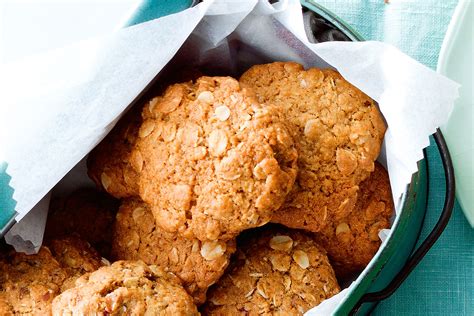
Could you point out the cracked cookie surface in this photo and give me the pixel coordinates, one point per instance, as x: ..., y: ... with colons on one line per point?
x: 352, y: 241
x: 29, y: 283
x: 276, y: 271
x: 212, y: 161
x: 338, y: 132
x: 126, y: 288
x: 198, y: 264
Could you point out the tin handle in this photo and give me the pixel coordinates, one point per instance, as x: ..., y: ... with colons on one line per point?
x: 426, y: 245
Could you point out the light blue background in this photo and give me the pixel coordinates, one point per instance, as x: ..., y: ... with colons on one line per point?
x: 443, y: 284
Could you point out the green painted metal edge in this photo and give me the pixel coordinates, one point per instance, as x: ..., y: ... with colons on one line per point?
x: 149, y: 10
x: 7, y: 203
x: 405, y: 231
x: 333, y: 18
x: 404, y: 243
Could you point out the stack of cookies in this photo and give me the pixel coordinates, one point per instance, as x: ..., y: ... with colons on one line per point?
x: 249, y: 196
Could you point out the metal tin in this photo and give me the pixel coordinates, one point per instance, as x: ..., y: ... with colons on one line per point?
x: 396, y: 258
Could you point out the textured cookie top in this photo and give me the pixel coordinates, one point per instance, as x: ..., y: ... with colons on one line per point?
x: 125, y: 288
x: 337, y: 129
x: 28, y: 284
x: 276, y: 271
x: 86, y: 212
x: 109, y: 163
x: 198, y: 264
x: 351, y: 242
x: 5, y: 307
x: 109, y: 166
x: 212, y: 160
x: 76, y: 256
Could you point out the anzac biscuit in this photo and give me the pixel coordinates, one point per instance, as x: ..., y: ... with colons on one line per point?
x: 125, y: 288
x: 5, y: 308
x: 86, y: 212
x: 212, y: 161
x: 275, y: 272
x: 197, y: 264
x: 76, y: 256
x: 338, y: 132
x: 29, y: 283
x: 109, y: 165
x: 352, y: 241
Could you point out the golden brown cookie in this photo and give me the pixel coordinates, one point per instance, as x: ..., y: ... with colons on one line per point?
x: 276, y: 271
x: 126, y: 288
x: 109, y: 164
x: 352, y: 241
x: 338, y: 132
x: 29, y: 283
x: 85, y: 212
x: 212, y: 160
x: 5, y: 308
x: 197, y: 264
x: 76, y: 256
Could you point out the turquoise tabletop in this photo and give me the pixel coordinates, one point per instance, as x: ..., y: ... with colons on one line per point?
x: 443, y: 283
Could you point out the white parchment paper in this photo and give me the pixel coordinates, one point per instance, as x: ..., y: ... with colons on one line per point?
x: 61, y: 104
x: 27, y: 235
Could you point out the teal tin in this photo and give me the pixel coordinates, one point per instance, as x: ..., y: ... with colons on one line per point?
x: 390, y: 267
x: 7, y: 203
